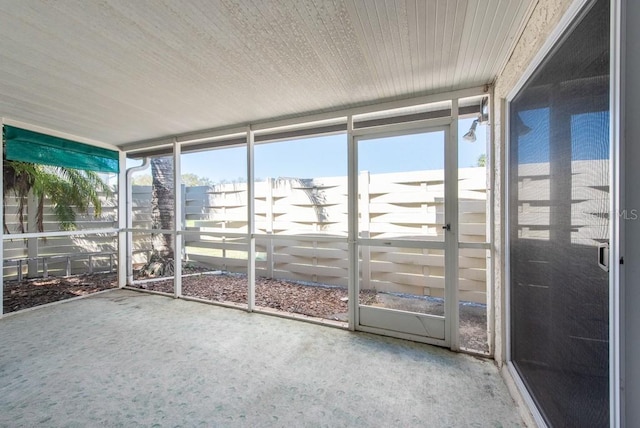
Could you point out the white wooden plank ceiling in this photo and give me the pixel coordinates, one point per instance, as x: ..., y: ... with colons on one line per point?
x: 119, y: 71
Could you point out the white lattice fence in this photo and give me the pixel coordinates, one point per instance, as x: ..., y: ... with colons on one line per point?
x: 404, y: 206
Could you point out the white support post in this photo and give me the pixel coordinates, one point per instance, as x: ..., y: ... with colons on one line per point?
x: 183, y: 217
x: 251, y: 226
x: 177, y: 206
x: 365, y: 220
x: 451, y: 235
x: 269, y: 227
x: 124, y: 210
x: 490, y: 230
x: 352, y: 236
x: 183, y: 220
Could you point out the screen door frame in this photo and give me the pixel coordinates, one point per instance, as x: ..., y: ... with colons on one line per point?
x: 389, y: 321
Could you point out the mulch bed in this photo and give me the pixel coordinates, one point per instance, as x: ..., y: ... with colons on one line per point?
x: 36, y: 292
x: 314, y: 300
x: 311, y: 300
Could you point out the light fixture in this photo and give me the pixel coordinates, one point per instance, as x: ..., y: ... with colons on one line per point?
x: 484, y: 110
x: 471, y: 135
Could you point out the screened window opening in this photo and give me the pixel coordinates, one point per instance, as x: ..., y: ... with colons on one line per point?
x: 55, y: 185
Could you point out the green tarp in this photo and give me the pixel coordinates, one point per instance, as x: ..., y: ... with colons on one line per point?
x: 29, y: 146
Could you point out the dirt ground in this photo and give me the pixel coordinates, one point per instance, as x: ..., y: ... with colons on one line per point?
x: 313, y: 300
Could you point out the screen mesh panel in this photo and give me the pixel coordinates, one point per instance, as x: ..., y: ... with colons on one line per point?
x: 559, y: 208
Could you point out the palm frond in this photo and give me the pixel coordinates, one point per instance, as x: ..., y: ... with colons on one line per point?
x: 70, y: 191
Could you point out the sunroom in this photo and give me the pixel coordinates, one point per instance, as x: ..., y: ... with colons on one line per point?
x: 452, y: 173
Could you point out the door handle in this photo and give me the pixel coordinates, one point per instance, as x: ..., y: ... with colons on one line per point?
x: 603, y: 256
x: 447, y: 226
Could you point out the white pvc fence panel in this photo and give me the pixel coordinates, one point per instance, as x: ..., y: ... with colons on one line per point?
x: 400, y: 205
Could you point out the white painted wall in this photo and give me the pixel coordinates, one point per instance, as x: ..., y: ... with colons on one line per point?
x: 631, y: 160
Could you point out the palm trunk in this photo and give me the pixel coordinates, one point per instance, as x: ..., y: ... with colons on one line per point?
x: 162, y: 217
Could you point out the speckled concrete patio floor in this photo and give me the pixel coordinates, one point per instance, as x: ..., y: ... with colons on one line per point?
x: 124, y: 358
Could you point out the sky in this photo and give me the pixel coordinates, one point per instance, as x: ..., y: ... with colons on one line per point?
x: 589, y: 136
x: 326, y: 156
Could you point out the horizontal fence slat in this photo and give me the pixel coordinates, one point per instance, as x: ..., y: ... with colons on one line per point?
x: 313, y: 263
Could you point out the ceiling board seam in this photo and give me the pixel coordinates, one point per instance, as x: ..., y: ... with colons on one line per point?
x: 334, y: 47
x: 420, y: 44
x: 379, y: 63
x: 483, y: 37
x: 454, y: 53
x: 462, y: 60
x: 436, y: 33
x: 313, y: 45
x: 476, y: 38
x: 519, y: 33
x: 489, y: 67
x: 368, y: 54
x: 405, y: 62
x: 389, y: 75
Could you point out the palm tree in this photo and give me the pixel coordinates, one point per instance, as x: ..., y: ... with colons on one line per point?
x: 70, y: 191
x: 161, y: 261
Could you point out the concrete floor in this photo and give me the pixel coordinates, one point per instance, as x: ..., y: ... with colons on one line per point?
x: 124, y: 358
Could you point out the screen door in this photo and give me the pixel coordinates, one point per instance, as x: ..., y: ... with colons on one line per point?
x: 559, y: 227
x: 403, y: 230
